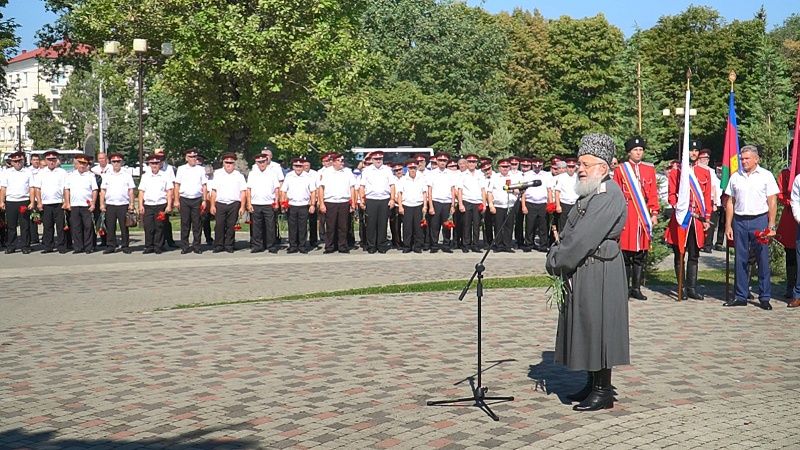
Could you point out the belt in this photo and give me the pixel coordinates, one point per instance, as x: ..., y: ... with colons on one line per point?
x: 748, y: 217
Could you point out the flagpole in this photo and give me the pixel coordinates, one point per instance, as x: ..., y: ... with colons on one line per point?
x: 639, y: 90
x: 682, y: 245
x: 732, y: 79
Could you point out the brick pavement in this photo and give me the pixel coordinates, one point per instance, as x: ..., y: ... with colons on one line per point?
x: 355, y: 372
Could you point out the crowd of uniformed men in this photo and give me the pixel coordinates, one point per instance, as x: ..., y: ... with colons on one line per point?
x: 437, y: 204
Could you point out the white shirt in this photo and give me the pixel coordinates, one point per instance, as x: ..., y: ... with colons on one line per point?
x: 750, y: 192
x: 796, y: 199
x: 538, y: 194
x: 51, y: 185
x: 502, y: 198
x: 97, y: 170
x: 298, y: 188
x: 116, y: 186
x: 229, y: 186
x: 565, y: 185
x: 337, y: 184
x: 716, y: 193
x: 262, y: 185
x: 18, y: 184
x: 442, y: 183
x: 473, y: 185
x: 81, y: 187
x: 191, y: 179
x: 377, y: 182
x: 155, y: 187
x: 413, y: 190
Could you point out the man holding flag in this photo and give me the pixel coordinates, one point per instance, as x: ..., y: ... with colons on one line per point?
x: 751, y: 210
x: 637, y: 180
x: 690, y: 195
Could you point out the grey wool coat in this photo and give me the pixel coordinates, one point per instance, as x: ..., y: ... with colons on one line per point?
x: 593, y: 324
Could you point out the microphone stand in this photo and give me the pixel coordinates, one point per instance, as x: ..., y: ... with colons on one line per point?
x: 479, y: 397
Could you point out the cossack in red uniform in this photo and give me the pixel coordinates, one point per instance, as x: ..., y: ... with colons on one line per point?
x: 635, y: 236
x: 695, y: 208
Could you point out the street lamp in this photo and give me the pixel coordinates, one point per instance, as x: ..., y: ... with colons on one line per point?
x: 678, y: 113
x: 140, y: 48
x: 19, y: 105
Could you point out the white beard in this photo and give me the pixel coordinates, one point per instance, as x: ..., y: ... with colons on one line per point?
x: 587, y: 186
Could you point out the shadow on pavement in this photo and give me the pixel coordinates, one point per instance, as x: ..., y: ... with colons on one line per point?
x: 553, y: 378
x: 19, y: 438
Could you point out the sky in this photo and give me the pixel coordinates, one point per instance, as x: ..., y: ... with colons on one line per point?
x: 626, y: 14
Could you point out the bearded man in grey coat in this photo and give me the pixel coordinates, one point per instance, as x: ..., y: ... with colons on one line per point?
x: 593, y: 320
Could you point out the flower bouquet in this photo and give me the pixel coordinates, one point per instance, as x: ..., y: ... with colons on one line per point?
x: 23, y: 209
x: 557, y: 291
x: 762, y: 236
x: 551, y: 207
x: 36, y: 217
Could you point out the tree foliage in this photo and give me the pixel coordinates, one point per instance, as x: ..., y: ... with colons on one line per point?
x: 43, y: 128
x: 8, y: 45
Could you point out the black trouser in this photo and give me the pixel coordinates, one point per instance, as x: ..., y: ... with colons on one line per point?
x: 427, y: 232
x: 413, y: 235
x: 720, y: 227
x: 14, y: 219
x: 519, y: 225
x: 313, y: 237
x: 441, y: 214
x: 536, y: 224
x: 68, y: 231
x: 336, y: 217
x: 562, y: 218
x: 153, y: 229
x: 458, y: 231
x: 53, y: 221
x: 34, y: 232
x: 224, y: 234
x: 791, y: 271
x: 362, y: 228
x: 504, y: 227
x: 168, y: 233
x: 709, y: 236
x: 81, y: 226
x: 321, y: 223
x: 116, y: 214
x: 693, y: 256
x: 205, y: 221
x: 190, y: 221
x: 471, y: 233
x: 3, y: 229
x: 351, y: 229
x: 489, y: 226
x: 396, y: 224
x: 298, y: 221
x: 377, y: 218
x: 277, y: 231
x: 262, y: 219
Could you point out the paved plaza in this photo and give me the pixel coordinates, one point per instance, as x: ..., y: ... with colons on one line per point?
x: 85, y: 366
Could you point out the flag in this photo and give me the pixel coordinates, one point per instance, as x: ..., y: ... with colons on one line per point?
x: 731, y: 155
x: 683, y: 215
x: 793, y: 169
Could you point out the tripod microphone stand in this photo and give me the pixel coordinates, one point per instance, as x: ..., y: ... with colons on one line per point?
x: 479, y: 397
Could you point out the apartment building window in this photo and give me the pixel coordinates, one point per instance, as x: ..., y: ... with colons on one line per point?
x: 55, y: 104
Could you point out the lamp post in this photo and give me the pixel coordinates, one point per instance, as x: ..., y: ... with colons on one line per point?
x: 678, y: 113
x: 19, y: 125
x: 140, y: 57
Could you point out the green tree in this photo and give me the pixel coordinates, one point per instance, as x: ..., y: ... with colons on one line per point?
x: 8, y: 45
x: 44, y: 128
x: 787, y: 38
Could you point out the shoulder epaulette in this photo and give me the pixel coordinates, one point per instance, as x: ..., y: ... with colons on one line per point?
x: 647, y: 164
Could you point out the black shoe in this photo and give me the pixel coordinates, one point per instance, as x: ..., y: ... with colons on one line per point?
x: 186, y: 250
x: 273, y: 250
x: 217, y: 250
x: 256, y: 250
x: 417, y: 250
x: 765, y: 305
x: 436, y: 250
x: 476, y: 249
x: 637, y: 294
x: 719, y: 248
x: 26, y: 251
x: 693, y: 294
x: 344, y: 251
x: 147, y: 251
x: 735, y: 303
x: 372, y: 251
x: 62, y: 251
x: 9, y: 251
x: 229, y: 250
x: 89, y: 251
x: 328, y: 251
x: 464, y: 250
x: 706, y: 249
x: 292, y: 250
x: 406, y: 250
x: 383, y: 250
x: 304, y: 251
x: 447, y: 250
x: 750, y: 296
x: 108, y: 251
x: 126, y: 250
x: 526, y: 249
x: 158, y: 251
x: 198, y: 251
x: 47, y: 250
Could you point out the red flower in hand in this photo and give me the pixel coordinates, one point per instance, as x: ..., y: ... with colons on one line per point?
x: 101, y: 232
x: 285, y: 204
x: 161, y: 216
x: 762, y: 236
x: 481, y: 207
x: 275, y: 204
x: 23, y: 209
x: 237, y: 227
x: 203, y: 208
x: 449, y: 224
x: 423, y: 223
x: 66, y: 227
x: 551, y: 207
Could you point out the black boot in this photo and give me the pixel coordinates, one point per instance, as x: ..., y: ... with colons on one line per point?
x: 636, y: 283
x: 791, y: 279
x: 602, y: 395
x: 628, y: 272
x: 583, y: 393
x: 691, y: 281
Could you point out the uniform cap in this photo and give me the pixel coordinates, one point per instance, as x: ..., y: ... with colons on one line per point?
x: 695, y: 145
x: 50, y: 153
x: 229, y: 155
x: 634, y: 142
x: 16, y: 155
x: 190, y: 152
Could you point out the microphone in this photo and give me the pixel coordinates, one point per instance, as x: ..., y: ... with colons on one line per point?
x: 522, y: 186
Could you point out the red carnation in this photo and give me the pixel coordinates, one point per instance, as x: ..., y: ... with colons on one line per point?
x: 23, y: 209
x: 423, y: 223
x: 275, y: 204
x: 203, y: 208
x: 551, y: 207
x: 449, y: 224
x: 285, y: 204
x: 161, y: 216
x: 481, y: 207
x: 237, y: 227
x: 66, y: 227
x: 762, y: 236
x: 101, y: 232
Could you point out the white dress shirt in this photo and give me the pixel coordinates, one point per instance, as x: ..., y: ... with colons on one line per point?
x: 750, y: 192
x: 191, y: 179
x: 18, y: 184
x: 51, y: 185
x: 262, y: 185
x: 538, y: 194
x: 377, y: 182
x: 97, y: 170
x: 229, y: 186
x: 442, y: 183
x: 413, y: 190
x: 116, y: 186
x: 502, y: 198
x: 298, y: 188
x: 565, y: 185
x: 337, y: 184
x: 81, y: 187
x: 156, y: 187
x: 473, y: 185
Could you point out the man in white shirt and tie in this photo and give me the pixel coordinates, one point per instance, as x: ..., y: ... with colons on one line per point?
x: 190, y: 192
x: 17, y: 197
x: 50, y: 182
x: 116, y: 200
